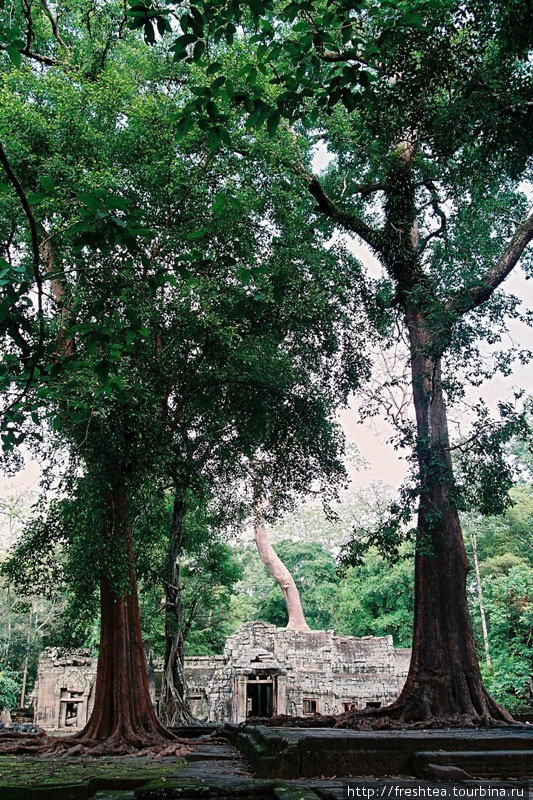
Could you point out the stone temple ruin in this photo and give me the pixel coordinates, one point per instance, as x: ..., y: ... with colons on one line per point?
x: 264, y: 671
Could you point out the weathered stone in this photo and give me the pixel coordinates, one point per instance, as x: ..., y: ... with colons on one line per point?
x: 74, y: 791
x: 327, y: 752
x: 294, y: 793
x: 15, y: 792
x: 229, y: 788
x: 474, y: 763
x: 448, y: 773
x: 63, y: 693
x: 269, y: 671
x: 116, y: 783
x: 264, y: 671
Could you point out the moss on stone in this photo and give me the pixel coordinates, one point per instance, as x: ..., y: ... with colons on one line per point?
x: 190, y: 789
x: 59, y: 778
x: 288, y: 792
x: 9, y: 792
x: 61, y: 791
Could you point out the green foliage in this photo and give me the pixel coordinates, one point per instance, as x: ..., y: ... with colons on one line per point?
x: 505, y: 535
x: 313, y: 570
x: 377, y: 599
x: 373, y: 599
x: 208, y: 574
x: 190, y: 349
x: 27, y: 625
x: 485, y: 472
x: 374, y: 80
x: 509, y: 600
x: 9, y: 690
x: 196, y: 311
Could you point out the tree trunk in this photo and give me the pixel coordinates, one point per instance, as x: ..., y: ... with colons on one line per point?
x: 444, y: 679
x: 481, y: 602
x: 123, y: 716
x: 26, y: 659
x: 174, y: 704
x: 281, y: 575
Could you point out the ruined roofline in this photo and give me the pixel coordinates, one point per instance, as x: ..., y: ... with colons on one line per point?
x: 330, y: 632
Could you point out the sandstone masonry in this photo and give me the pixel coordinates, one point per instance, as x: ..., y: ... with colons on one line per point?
x: 264, y: 671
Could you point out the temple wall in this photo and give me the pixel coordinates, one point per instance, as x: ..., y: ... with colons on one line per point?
x: 263, y: 668
x: 63, y: 692
x: 311, y: 671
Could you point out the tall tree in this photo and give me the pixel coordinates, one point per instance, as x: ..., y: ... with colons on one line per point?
x: 279, y: 571
x: 425, y: 111
x: 173, y: 347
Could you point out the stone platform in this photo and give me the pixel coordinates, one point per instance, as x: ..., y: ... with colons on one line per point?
x: 330, y: 752
x: 215, y: 770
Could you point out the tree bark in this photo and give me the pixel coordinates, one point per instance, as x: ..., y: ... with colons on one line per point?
x: 123, y: 716
x: 174, y: 703
x: 281, y: 575
x: 444, y: 680
x: 481, y: 602
x: 26, y: 659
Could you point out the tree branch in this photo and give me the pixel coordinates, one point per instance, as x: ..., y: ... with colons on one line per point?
x: 65, y: 345
x: 188, y: 385
x: 25, y: 51
x: 433, y: 234
x: 53, y: 23
x: 473, y: 296
x: 343, y: 218
x: 437, y: 210
x: 331, y: 56
x: 366, y: 189
x: 36, y: 269
x: 342, y: 57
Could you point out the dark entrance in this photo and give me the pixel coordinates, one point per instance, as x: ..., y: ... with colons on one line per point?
x: 259, y: 699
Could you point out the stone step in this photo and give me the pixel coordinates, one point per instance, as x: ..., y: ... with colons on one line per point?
x: 293, y: 793
x: 502, y: 764
x: 202, y: 756
x: 328, y: 752
x: 195, y: 731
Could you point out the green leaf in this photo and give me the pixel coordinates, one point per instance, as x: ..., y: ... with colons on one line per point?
x: 183, y: 40
x: 199, y: 234
x: 47, y: 183
x: 102, y: 370
x: 89, y: 200
x: 272, y: 123
x: 198, y: 50
x: 220, y: 81
x: 35, y: 197
x: 224, y: 135
x: 14, y: 55
x: 184, y: 125
x: 149, y: 33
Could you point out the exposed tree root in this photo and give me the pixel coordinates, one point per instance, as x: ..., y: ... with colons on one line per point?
x: 366, y: 721
x: 40, y: 744
x: 406, y: 713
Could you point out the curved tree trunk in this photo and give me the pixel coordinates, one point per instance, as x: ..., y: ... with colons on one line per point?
x: 174, y: 703
x: 123, y: 716
x: 444, y: 679
x: 281, y: 575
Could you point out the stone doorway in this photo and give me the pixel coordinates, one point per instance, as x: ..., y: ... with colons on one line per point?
x: 72, y: 709
x: 259, y: 698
